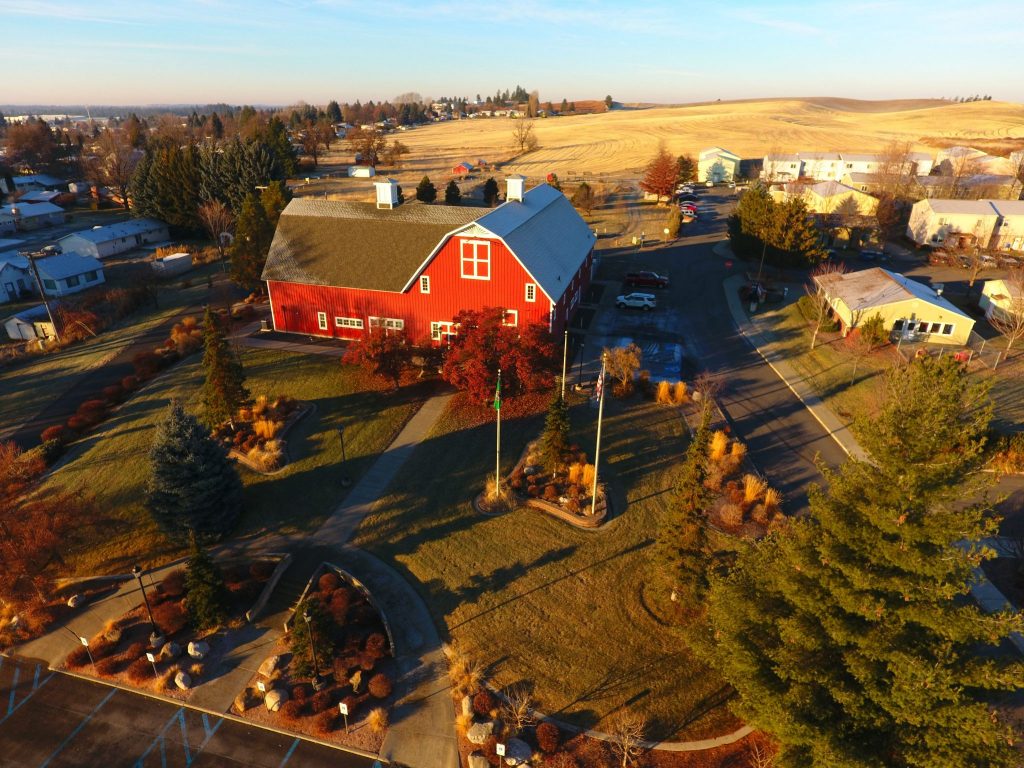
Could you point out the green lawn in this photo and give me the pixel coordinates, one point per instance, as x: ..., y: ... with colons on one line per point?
x: 112, y: 463
x: 538, y: 600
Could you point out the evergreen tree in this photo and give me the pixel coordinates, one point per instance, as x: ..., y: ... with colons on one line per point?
x: 253, y: 235
x: 572, y: 107
x: 847, y: 635
x: 274, y: 198
x: 426, y: 191
x: 207, y: 596
x: 275, y: 136
x: 224, y: 390
x: 564, y: 108
x: 686, y: 169
x: 608, y: 102
x: 323, y: 633
x: 490, y: 191
x: 333, y: 112
x: 452, y: 194
x: 193, y: 487
x: 165, y: 185
x: 674, y: 222
x: 554, y: 441
x: 216, y: 126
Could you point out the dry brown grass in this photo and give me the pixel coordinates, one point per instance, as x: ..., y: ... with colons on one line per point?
x: 772, y: 500
x: 719, y: 446
x: 377, y: 720
x: 679, y: 393
x: 664, y: 394
x: 753, y: 488
x: 267, y: 457
x: 587, y: 477
x: 268, y: 429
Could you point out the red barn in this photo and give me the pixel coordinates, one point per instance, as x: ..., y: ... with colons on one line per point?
x: 340, y: 269
x: 462, y: 169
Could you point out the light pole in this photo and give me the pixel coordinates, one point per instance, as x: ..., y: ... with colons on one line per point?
x: 156, y: 639
x: 346, y: 481
x: 565, y: 357
x: 316, y: 681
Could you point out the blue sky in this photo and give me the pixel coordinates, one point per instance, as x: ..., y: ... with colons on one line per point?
x: 264, y: 52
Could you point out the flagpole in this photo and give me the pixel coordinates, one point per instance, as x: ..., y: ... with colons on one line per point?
x: 597, y: 448
x: 497, y: 450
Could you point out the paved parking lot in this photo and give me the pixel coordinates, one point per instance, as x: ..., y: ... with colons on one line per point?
x: 52, y: 720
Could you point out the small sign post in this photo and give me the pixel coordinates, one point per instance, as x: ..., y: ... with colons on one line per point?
x: 151, y: 658
x: 499, y: 749
x: 261, y: 686
x: 343, y: 708
x: 92, y: 662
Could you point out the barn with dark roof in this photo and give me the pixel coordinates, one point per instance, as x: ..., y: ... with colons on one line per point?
x: 342, y: 269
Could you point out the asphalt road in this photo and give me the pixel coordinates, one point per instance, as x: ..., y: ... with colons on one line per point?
x: 52, y: 720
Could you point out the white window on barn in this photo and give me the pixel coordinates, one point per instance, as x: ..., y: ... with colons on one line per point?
x: 321, y: 320
x: 424, y: 283
x: 511, y: 318
x: 531, y: 291
x: 476, y: 259
x: 387, y: 323
x: 441, y: 331
x: 349, y: 322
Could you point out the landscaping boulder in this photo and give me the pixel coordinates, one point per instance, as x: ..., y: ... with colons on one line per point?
x: 183, y: 680
x: 275, y: 698
x: 476, y: 760
x: 467, y: 705
x: 269, y: 665
x: 517, y: 752
x: 76, y: 600
x: 170, y: 650
x: 198, y: 649
x: 478, y: 733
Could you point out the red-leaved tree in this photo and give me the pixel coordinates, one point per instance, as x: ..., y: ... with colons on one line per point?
x: 483, y: 344
x: 661, y: 174
x: 381, y: 353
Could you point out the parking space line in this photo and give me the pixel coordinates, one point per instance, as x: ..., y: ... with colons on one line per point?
x: 161, y: 739
x: 36, y: 685
x: 78, y: 728
x: 289, y: 753
x: 14, y: 686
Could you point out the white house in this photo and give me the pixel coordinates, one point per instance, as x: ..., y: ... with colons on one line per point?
x: 15, y: 278
x: 25, y: 216
x: 933, y: 221
x: 782, y: 167
x: 112, y: 239
x: 31, y: 183
x: 29, y: 324
x: 1002, y: 298
x: 823, y: 166
x: 1008, y: 234
x: 68, y: 273
x: 717, y: 165
x: 922, y: 163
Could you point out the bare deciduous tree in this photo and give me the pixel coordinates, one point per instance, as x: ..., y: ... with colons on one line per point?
x: 367, y: 141
x: 523, y: 137
x: 311, y: 142
x: 622, y: 363
x: 113, y: 164
x: 819, y: 298
x: 533, y: 104
x: 518, y: 708
x: 759, y: 756
x: 627, y: 732
x: 1009, y: 320
x: 218, y: 221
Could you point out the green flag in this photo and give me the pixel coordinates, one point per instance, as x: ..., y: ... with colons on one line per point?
x: 497, y: 394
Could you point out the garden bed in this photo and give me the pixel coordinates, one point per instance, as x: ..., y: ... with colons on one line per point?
x: 37, y: 621
x: 257, y: 440
x: 354, y: 648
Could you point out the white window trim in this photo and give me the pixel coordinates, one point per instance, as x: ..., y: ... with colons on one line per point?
x: 531, y: 292
x: 424, y: 283
x: 473, y: 247
x: 387, y: 323
x: 514, y: 314
x: 439, y: 330
x: 348, y: 322
x: 321, y: 320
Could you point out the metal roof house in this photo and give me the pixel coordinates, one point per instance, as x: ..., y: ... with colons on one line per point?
x: 113, y: 239
x: 15, y: 279
x: 68, y: 273
x: 342, y: 269
x: 25, y: 216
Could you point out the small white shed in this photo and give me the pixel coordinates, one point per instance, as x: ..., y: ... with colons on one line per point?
x: 174, y: 264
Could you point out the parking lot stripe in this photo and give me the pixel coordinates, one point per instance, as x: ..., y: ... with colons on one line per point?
x: 289, y: 753
x: 78, y: 729
x: 14, y: 685
x: 35, y: 687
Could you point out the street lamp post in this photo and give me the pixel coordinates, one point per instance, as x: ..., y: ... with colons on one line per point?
x: 156, y: 639
x: 346, y: 481
x: 317, y: 683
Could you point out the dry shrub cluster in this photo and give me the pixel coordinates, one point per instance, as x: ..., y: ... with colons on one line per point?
x: 741, y: 500
x: 672, y: 394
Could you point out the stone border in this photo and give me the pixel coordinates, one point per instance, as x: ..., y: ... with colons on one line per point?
x: 242, y: 459
x: 261, y: 601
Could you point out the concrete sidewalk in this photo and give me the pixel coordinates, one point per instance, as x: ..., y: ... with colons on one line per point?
x: 760, y: 339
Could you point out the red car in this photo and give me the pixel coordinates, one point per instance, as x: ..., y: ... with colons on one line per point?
x: 646, y: 280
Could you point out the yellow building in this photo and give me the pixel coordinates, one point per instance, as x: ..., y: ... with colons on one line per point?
x: 830, y: 198
x: 906, y: 306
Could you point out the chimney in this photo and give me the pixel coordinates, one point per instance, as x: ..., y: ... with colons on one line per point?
x: 515, y: 189
x: 387, y: 193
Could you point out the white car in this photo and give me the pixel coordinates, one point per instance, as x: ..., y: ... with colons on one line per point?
x: 644, y: 301
x: 709, y: 183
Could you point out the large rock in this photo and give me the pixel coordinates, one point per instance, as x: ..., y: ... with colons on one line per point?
x: 183, y: 680
x: 198, y: 649
x: 269, y: 665
x: 467, y: 705
x: 275, y: 698
x: 478, y: 733
x: 170, y: 650
x: 76, y: 600
x: 476, y: 760
x: 517, y: 752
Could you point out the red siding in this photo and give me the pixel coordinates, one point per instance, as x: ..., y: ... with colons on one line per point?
x: 295, y: 306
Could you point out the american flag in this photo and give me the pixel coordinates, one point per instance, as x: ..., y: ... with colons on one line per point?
x: 599, y: 387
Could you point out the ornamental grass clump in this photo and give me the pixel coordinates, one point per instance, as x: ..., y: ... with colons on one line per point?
x: 679, y: 393
x: 664, y: 393
x: 719, y: 446
x: 753, y: 488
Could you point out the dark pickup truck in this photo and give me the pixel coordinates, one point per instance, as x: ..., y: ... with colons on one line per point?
x: 645, y: 280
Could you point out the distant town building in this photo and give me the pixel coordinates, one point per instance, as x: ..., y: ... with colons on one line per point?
x: 717, y: 165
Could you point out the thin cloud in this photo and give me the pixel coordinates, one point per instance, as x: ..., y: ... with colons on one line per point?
x: 787, y: 25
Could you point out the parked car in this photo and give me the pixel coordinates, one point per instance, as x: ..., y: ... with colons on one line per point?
x: 709, y: 183
x: 872, y: 254
x: 645, y: 280
x: 644, y: 301
x: 687, y: 197
x: 688, y: 207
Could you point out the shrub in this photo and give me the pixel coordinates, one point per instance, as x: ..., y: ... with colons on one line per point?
x: 130, y: 383
x: 113, y: 394
x: 300, y: 692
x: 136, y: 650
x: 146, y: 364
x: 737, y: 451
x: 101, y: 648
x: 352, y: 703
x: 166, y: 680
x: 377, y: 720
x: 93, y: 411
x: 320, y: 702
x: 643, y: 382
x: 664, y: 393
x: 109, y: 665
x: 328, y: 582
x: 753, y: 488
x: 171, y: 617
x: 731, y: 515
x: 267, y: 428
x: 376, y: 643
x: 873, y: 330
x: 325, y: 722
x: 139, y: 671
x: 338, y: 608
x: 78, y: 658
x: 57, y: 432
x: 367, y: 661
x: 587, y: 480
x: 679, y: 393
x: 78, y: 424
x: 719, y: 445
x: 291, y: 710
x: 380, y: 686
x: 173, y: 584
x: 772, y: 500
x: 533, y: 491
x: 548, y: 737
x: 262, y: 570
x: 51, y: 450
x: 484, y: 702
x: 551, y: 492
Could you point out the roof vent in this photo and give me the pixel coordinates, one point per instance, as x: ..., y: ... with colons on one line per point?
x: 939, y: 288
x: 387, y: 193
x: 515, y: 188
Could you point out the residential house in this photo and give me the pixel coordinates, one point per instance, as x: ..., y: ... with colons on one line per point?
x: 1002, y: 298
x: 30, y: 183
x: 717, y: 165
x: 113, y: 239
x: 343, y: 269
x: 782, y: 167
x: 861, y: 162
x: 68, y: 273
x: 975, y: 186
x: 26, y: 216
x: 846, y: 216
x: 907, y: 307
x: 934, y: 221
x: 15, y: 277
x: 1008, y: 233
x: 823, y: 166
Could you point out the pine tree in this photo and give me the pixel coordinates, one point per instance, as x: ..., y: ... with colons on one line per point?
x: 253, y: 235
x: 572, y: 107
x: 207, y: 595
x: 452, y: 194
x: 274, y: 199
x: 564, y: 108
x: 426, y: 191
x: 847, y: 635
x: 216, y: 126
x: 224, y: 389
x: 193, y: 487
x: 490, y: 191
x: 323, y: 633
x: 333, y: 112
x: 674, y: 222
x: 554, y: 441
x: 686, y: 169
